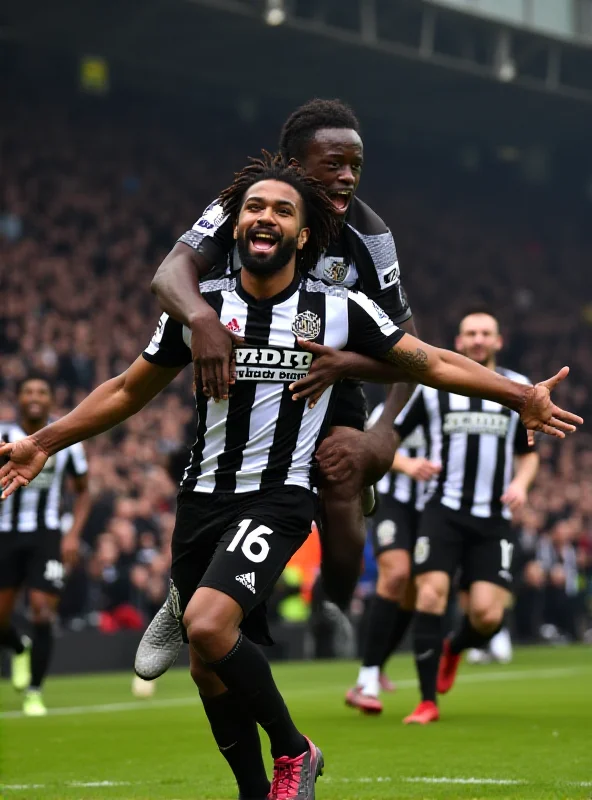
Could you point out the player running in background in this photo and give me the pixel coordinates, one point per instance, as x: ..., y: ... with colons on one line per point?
x: 394, y: 532
x: 33, y: 553
x: 488, y: 465
x: 247, y: 501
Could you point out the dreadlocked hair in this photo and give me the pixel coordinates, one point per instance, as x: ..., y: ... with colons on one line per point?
x: 318, y: 209
x: 302, y: 124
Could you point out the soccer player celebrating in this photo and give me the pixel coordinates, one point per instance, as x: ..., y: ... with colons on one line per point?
x: 488, y: 465
x: 247, y: 499
x: 402, y: 493
x: 33, y: 553
x: 324, y: 137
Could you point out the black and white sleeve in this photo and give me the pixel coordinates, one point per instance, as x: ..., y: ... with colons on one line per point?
x: 370, y: 329
x: 167, y: 347
x: 212, y: 235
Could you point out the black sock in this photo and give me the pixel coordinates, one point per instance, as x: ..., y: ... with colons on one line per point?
x: 427, y: 646
x: 466, y: 636
x: 383, y: 617
x: 40, y: 652
x: 246, y: 672
x: 11, y: 639
x: 403, y: 619
x: 237, y: 736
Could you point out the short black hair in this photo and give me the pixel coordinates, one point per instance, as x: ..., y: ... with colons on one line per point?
x: 320, y: 215
x: 34, y: 376
x: 302, y: 124
x: 478, y: 308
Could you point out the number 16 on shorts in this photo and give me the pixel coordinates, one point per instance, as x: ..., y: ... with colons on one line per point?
x: 253, y: 555
x: 253, y: 545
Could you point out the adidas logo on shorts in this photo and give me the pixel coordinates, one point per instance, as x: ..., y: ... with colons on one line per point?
x: 247, y: 580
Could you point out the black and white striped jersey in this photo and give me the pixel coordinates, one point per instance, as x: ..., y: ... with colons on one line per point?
x: 364, y: 257
x: 474, y: 440
x: 396, y: 484
x: 37, y: 506
x: 260, y: 437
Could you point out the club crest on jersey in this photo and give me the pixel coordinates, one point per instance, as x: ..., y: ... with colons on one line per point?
x: 307, y: 325
x: 335, y: 270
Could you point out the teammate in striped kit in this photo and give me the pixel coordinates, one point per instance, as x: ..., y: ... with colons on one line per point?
x: 488, y: 465
x: 247, y: 499
x: 33, y: 553
x: 394, y: 531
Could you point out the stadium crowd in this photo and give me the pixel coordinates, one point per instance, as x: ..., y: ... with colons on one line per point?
x: 90, y: 203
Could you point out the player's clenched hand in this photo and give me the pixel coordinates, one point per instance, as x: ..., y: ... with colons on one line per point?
x: 26, y: 460
x: 515, y: 496
x: 212, y: 350
x: 328, y: 367
x: 541, y: 414
x: 420, y: 469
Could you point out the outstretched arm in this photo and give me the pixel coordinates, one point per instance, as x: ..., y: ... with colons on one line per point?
x: 451, y: 372
x: 400, y: 392
x: 109, y: 404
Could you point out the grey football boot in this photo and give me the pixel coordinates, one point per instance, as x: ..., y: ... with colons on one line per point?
x: 162, y: 640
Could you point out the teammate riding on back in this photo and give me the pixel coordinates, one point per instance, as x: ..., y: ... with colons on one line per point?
x: 323, y: 136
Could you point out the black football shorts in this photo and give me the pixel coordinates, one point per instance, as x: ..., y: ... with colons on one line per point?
x: 349, y: 409
x: 32, y: 560
x: 394, y: 527
x: 239, y: 544
x: 448, y: 540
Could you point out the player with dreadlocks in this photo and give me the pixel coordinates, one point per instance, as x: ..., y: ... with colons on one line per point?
x: 324, y: 137
x: 247, y: 498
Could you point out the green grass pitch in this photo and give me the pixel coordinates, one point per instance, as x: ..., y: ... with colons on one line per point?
x: 518, y: 731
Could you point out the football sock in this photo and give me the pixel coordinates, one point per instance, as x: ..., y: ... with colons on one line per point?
x: 467, y: 636
x: 403, y: 619
x: 237, y: 737
x: 427, y: 647
x: 369, y: 681
x: 11, y: 639
x: 379, y: 624
x: 40, y: 652
x: 246, y: 672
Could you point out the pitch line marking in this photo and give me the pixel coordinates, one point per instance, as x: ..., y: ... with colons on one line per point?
x: 463, y: 781
x: 327, y: 779
x: 170, y: 702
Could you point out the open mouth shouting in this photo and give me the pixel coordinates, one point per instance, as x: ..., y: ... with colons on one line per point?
x: 341, y: 200
x: 262, y: 240
x: 34, y: 410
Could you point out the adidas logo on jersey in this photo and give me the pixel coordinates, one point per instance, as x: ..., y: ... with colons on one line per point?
x: 247, y: 580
